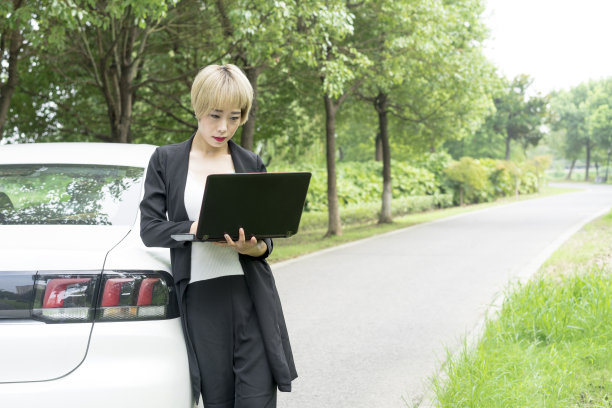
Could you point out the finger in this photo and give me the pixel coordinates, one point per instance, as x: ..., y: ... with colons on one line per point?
x: 241, y: 237
x: 228, y: 239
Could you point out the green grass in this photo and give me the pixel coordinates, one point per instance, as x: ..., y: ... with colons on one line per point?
x: 551, y: 343
x: 589, y: 247
x: 311, y: 239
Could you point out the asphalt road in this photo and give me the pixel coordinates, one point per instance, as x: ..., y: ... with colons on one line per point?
x: 370, y: 321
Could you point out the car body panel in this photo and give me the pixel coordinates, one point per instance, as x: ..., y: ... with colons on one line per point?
x: 101, y: 364
x: 131, y: 253
x: 152, y: 372
x: 53, y: 350
x: 57, y: 247
x: 136, y: 155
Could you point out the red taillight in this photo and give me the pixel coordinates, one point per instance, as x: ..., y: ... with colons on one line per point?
x: 111, y: 296
x: 112, y: 291
x: 66, y: 297
x: 133, y: 296
x: 56, y: 289
x: 145, y: 294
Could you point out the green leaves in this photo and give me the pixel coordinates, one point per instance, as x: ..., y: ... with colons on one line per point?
x: 582, y: 118
x: 359, y: 183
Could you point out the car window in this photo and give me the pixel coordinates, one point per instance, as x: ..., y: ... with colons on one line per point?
x: 69, y: 194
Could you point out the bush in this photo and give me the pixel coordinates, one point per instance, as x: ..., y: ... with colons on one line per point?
x: 368, y: 212
x: 414, y: 188
x: 483, y: 180
x: 360, y: 183
x: 470, y: 180
x: 435, y: 163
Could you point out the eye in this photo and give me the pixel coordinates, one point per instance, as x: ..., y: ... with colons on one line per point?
x: 235, y: 118
x: 214, y: 116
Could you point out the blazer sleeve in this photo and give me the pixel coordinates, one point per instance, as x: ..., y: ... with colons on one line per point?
x: 155, y: 228
x: 262, y: 169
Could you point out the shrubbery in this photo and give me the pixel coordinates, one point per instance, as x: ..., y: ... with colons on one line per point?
x: 368, y: 212
x: 437, y: 182
x: 361, y: 183
x: 476, y: 181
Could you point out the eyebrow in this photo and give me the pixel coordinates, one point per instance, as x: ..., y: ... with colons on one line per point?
x: 233, y: 113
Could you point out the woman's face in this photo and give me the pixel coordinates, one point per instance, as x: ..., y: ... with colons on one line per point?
x: 218, y: 127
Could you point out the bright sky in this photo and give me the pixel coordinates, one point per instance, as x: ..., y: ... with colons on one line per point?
x: 558, y: 43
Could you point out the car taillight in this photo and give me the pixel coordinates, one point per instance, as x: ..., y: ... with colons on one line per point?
x: 66, y: 297
x: 133, y: 296
x: 112, y: 296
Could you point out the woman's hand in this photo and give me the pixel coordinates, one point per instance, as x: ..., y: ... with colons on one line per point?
x: 194, y: 228
x: 252, y: 247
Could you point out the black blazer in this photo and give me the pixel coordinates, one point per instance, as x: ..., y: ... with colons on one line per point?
x: 164, y: 194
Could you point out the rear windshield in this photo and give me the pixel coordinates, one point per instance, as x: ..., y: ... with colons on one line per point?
x: 69, y: 194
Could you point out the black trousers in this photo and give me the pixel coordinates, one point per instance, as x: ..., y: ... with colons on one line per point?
x: 224, y: 330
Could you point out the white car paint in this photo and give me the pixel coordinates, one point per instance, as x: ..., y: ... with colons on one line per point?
x: 128, y: 365
x: 136, y: 155
x: 101, y: 364
x: 57, y: 247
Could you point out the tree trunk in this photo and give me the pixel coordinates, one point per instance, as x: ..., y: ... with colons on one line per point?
x: 461, y: 195
x: 7, y: 89
x: 571, y: 170
x: 381, y: 107
x: 248, y: 130
x: 507, y: 148
x: 127, y: 102
x: 588, y: 161
x: 378, y: 156
x: 334, y: 225
x: 118, y: 61
x: 607, y: 166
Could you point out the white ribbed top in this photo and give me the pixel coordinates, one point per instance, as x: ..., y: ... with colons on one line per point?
x: 208, y: 261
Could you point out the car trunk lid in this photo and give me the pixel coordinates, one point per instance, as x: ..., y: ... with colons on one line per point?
x: 47, y: 276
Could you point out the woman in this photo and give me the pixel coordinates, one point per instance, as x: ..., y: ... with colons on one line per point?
x: 237, y: 341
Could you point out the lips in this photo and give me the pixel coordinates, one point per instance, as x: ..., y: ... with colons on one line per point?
x: 218, y: 139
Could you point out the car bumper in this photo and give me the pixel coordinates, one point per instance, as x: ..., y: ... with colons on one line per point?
x: 128, y: 364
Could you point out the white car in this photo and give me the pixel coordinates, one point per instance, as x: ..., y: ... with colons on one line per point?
x: 88, y: 314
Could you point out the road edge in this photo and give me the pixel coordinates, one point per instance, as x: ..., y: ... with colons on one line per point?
x: 521, y: 274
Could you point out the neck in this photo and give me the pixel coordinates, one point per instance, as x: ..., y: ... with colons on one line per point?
x: 207, y: 150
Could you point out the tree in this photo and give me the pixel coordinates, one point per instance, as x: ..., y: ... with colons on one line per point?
x: 569, y: 117
x: 386, y: 29
x: 599, y: 119
x: 106, y: 55
x: 17, y: 34
x: 519, y: 117
x: 324, y: 47
x: 429, y: 68
x: 257, y: 35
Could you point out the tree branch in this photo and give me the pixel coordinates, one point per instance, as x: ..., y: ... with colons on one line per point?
x: 168, y: 112
x: 165, y: 129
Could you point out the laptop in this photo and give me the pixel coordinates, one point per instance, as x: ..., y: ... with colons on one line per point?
x: 266, y: 205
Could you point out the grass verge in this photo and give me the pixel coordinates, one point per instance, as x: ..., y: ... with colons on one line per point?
x: 310, y: 240
x: 550, y: 344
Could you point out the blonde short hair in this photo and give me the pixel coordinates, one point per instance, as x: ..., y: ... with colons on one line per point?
x: 221, y: 87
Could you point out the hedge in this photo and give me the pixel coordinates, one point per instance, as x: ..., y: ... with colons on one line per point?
x: 368, y: 212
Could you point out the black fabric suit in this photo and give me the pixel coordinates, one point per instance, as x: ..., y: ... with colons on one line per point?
x: 164, y: 194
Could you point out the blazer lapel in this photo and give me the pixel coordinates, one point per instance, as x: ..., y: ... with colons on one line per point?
x: 180, y: 177
x: 237, y: 158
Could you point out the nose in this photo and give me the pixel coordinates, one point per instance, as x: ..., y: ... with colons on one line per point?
x: 222, y: 126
